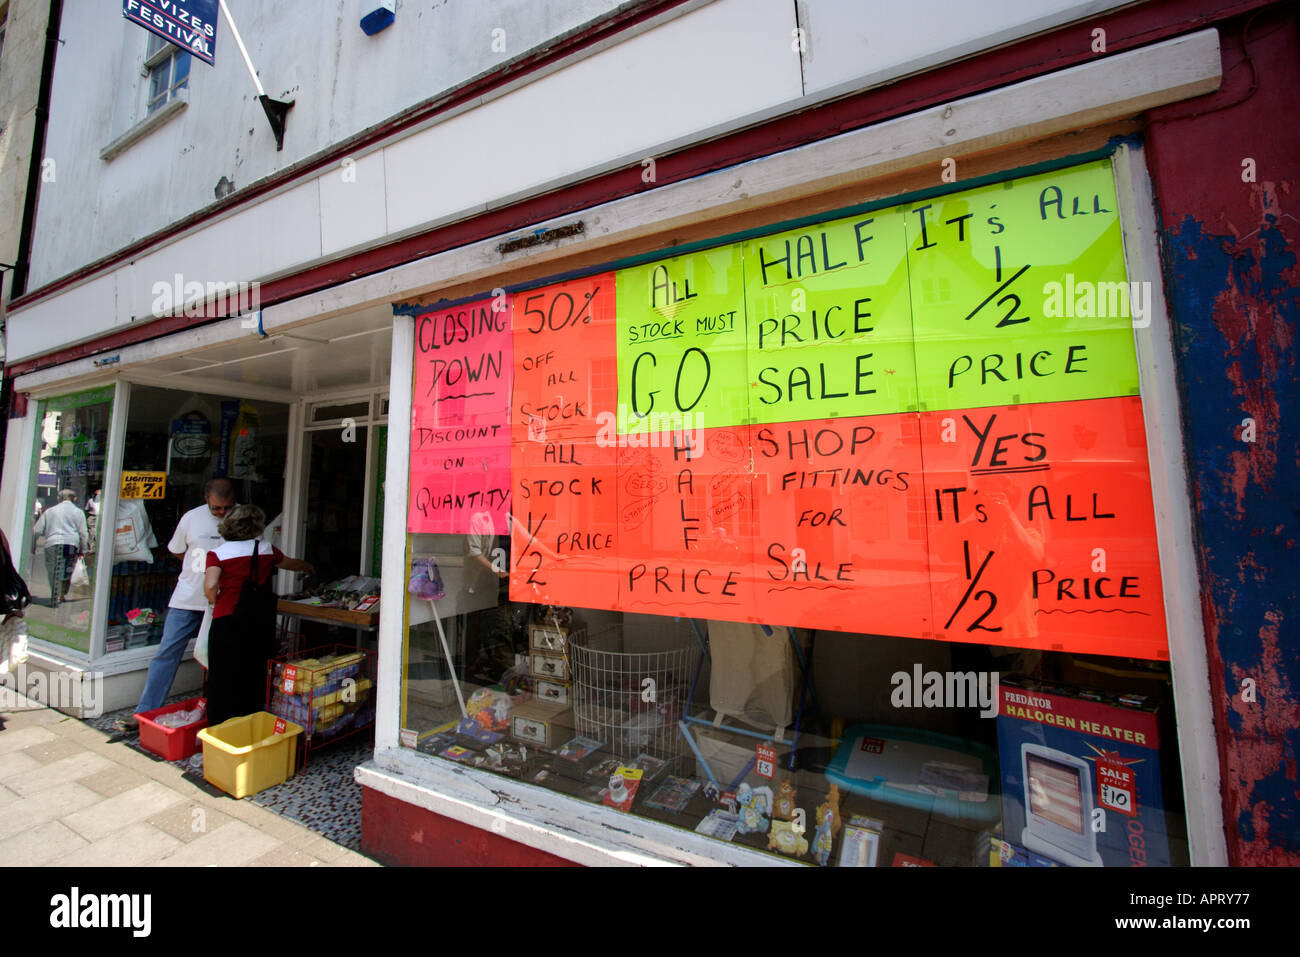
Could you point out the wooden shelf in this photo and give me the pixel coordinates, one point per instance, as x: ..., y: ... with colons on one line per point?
x: 344, y: 616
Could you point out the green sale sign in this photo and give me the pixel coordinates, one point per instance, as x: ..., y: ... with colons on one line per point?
x: 1004, y: 294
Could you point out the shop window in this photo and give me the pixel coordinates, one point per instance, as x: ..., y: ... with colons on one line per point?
x: 175, y: 442
x: 63, y: 534
x: 836, y: 543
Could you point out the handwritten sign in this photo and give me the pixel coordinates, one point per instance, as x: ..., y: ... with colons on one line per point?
x: 1042, y: 531
x: 841, y: 537
x: 681, y: 342
x: 564, y: 445
x: 829, y: 328
x: 460, y: 419
x: 920, y: 420
x: 144, y: 485
x: 686, y: 526
x: 1019, y: 293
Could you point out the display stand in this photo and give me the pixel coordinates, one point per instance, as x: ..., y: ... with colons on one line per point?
x: 328, y: 690
x: 630, y: 701
x: 365, y: 622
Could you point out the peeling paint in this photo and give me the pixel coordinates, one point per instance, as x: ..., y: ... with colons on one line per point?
x: 1235, y: 299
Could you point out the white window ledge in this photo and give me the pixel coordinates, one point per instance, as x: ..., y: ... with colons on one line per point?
x: 157, y: 118
x: 564, y: 826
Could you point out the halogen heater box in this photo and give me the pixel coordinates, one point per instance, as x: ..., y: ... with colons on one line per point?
x: 1081, y: 775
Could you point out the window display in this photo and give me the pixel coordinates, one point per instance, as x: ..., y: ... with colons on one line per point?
x: 693, y: 518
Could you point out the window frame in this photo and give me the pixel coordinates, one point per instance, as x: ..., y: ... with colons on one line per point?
x: 161, y: 55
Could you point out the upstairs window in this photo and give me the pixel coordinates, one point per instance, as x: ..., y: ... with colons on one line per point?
x: 168, y: 69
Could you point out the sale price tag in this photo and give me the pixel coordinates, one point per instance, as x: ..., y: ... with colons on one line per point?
x: 1116, y: 784
x: 765, y: 761
x: 144, y: 485
x: 290, y: 679
x: 279, y: 726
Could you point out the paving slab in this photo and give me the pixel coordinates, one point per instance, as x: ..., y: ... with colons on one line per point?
x: 40, y: 845
x: 287, y: 857
x: 189, y: 820
x: 335, y: 854
x: 63, y: 772
x: 137, y: 845
x: 114, y: 813
x: 72, y: 794
x: 14, y: 738
x: 114, y: 781
x: 233, y: 844
x: 30, y: 812
x: 47, y: 752
x: 15, y: 763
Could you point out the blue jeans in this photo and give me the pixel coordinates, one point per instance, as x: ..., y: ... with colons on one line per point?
x: 179, y: 627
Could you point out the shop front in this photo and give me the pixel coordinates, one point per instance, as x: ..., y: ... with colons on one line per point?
x: 828, y: 499
x: 830, y: 539
x: 296, y: 423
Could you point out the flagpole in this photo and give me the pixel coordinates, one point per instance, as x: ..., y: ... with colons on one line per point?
x: 239, y: 42
x: 276, y: 110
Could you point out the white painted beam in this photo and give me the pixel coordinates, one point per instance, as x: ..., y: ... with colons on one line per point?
x: 1161, y: 406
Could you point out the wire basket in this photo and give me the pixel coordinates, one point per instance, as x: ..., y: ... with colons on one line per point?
x: 631, y: 701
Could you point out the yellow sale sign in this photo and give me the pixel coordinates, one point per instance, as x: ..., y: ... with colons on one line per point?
x: 144, y: 485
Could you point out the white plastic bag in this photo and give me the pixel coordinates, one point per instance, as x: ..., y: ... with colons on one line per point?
x: 80, y: 577
x: 201, y: 645
x: 13, y: 644
x: 133, y: 536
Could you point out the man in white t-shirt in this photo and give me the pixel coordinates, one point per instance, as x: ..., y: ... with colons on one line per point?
x: 196, y: 534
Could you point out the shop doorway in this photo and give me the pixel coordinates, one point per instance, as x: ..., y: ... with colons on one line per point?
x: 339, y: 518
x: 336, y: 493
x: 324, y: 388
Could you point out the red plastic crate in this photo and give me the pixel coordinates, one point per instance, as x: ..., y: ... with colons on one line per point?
x: 170, y: 744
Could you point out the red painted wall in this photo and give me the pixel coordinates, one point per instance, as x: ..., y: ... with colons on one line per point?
x: 396, y: 833
x: 1226, y: 169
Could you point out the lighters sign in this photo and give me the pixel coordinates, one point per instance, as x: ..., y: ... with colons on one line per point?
x: 190, y: 24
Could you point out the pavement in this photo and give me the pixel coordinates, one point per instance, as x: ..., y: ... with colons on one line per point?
x: 73, y: 796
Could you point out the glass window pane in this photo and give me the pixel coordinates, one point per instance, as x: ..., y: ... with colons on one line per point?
x: 679, y: 639
x: 180, y: 68
x: 59, y: 562
x: 175, y: 442
x: 336, y: 486
x: 331, y: 411
x: 157, y: 84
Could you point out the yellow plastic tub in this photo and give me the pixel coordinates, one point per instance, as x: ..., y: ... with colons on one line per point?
x: 244, y: 755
